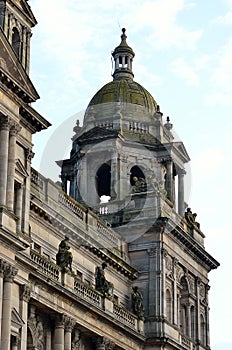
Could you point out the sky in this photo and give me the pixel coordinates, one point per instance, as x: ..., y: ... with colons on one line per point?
x: 183, y: 57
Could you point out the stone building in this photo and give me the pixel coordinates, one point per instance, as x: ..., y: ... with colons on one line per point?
x: 111, y: 257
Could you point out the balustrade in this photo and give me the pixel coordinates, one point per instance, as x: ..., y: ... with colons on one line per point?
x: 50, y: 269
x: 71, y: 204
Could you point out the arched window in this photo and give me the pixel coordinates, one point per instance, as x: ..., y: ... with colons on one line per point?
x: 16, y: 41
x: 169, y: 305
x: 137, y: 180
x: 103, y: 179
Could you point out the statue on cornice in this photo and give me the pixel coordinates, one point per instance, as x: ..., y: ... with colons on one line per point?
x: 191, y: 218
x: 137, y: 302
x: 64, y: 256
x: 101, y: 283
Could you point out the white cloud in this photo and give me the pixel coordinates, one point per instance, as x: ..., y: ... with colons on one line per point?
x: 225, y: 19
x: 184, y: 70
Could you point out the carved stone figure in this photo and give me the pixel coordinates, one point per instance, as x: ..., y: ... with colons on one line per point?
x: 191, y: 218
x: 137, y: 302
x: 101, y: 283
x: 64, y: 256
x: 139, y: 185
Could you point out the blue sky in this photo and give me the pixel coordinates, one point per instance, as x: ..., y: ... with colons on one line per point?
x: 183, y: 55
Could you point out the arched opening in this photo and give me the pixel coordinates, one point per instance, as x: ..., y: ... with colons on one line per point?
x: 16, y: 41
x: 169, y: 305
x: 137, y: 180
x: 103, y: 180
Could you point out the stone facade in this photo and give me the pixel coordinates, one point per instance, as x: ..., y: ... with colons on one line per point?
x: 78, y: 272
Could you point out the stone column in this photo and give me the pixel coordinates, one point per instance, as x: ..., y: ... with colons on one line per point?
x: 175, y: 298
x: 19, y: 204
x: 69, y: 325
x: 169, y: 180
x: 2, y: 268
x: 26, y: 200
x: 4, y: 142
x: 188, y: 319
x: 59, y: 332
x: 11, y: 166
x: 152, y: 287
x: 207, y: 317
x: 181, y: 207
x: 27, y: 61
x: 114, y: 177
x: 9, y: 274
x: 25, y: 294
x: 48, y: 339
x: 163, y: 306
x: 198, y: 321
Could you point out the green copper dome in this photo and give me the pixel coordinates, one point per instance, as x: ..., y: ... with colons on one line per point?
x: 124, y: 91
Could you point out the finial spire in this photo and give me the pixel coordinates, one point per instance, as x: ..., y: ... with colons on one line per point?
x: 123, y: 56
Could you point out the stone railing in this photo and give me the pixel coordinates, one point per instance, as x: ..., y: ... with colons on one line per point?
x: 186, y: 342
x: 124, y: 316
x: 46, y: 266
x: 36, y: 179
x: 86, y: 293
x: 135, y: 126
x: 106, y: 234
x: 71, y: 205
x: 106, y: 124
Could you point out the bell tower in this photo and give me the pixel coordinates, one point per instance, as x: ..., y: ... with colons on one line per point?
x: 126, y: 165
x: 16, y: 21
x: 125, y: 152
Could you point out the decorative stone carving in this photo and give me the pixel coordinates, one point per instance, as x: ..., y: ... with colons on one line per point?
x: 101, y: 283
x: 191, y: 218
x: 109, y: 344
x: 76, y: 340
x: 137, y: 302
x: 2, y: 267
x: 191, y: 284
x: 36, y: 327
x: 104, y: 343
x: 15, y: 129
x: 139, y: 185
x: 9, y: 273
x: 5, y: 121
x: 29, y: 154
x: 64, y: 256
x: 69, y: 323
x: 25, y: 293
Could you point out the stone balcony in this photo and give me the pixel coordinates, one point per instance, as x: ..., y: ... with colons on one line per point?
x: 70, y: 282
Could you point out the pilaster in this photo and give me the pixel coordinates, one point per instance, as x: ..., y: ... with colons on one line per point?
x: 25, y: 294
x: 9, y: 274
x: 181, y: 205
x: 4, y: 144
x: 14, y: 130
